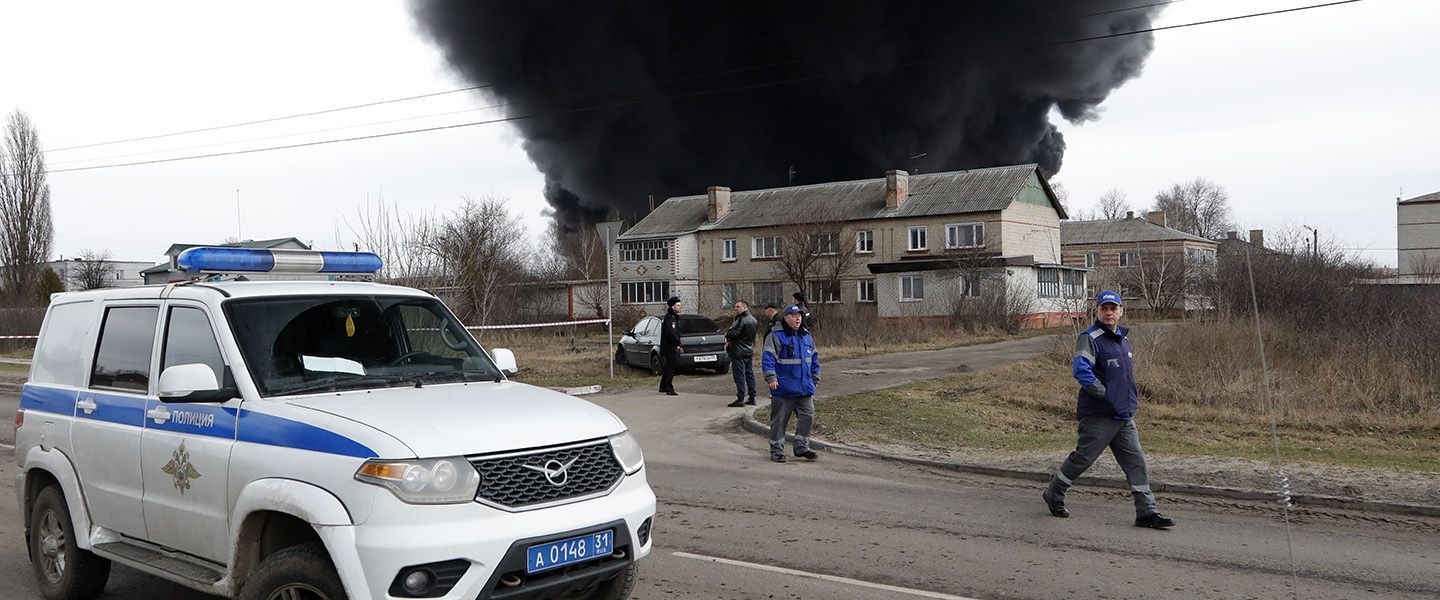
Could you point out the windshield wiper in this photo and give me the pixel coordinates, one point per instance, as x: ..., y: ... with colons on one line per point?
x: 454, y: 375
x: 336, y: 384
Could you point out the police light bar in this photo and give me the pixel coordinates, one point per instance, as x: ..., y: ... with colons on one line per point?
x: 259, y: 260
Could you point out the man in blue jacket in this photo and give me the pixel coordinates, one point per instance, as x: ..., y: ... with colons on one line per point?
x: 792, y: 368
x: 1106, y: 410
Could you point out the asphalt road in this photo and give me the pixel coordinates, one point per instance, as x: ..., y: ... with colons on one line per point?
x: 734, y: 525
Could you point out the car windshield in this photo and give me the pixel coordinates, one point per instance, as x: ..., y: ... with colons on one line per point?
x: 696, y: 324
x: 306, y: 344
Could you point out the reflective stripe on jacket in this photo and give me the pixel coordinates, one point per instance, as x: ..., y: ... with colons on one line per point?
x: 790, y: 359
x: 1103, y: 366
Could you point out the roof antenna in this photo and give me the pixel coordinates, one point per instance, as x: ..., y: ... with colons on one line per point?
x: 914, y: 168
x: 790, y: 180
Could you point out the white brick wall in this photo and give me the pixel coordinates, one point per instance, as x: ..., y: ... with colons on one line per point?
x: 1419, y: 237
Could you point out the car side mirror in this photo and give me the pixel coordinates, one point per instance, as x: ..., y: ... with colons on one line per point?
x: 630, y: 333
x: 194, y: 383
x: 505, y: 361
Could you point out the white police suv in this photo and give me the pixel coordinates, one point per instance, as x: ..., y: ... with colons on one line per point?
x: 313, y: 439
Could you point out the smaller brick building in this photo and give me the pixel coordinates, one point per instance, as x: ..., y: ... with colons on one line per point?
x: 1152, y: 266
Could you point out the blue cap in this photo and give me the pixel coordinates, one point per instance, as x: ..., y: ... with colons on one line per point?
x: 794, y: 309
x: 1108, y: 296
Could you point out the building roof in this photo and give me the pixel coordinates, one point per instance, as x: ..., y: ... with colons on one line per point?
x: 1119, y: 231
x: 178, y: 248
x: 956, y: 192
x: 1431, y: 197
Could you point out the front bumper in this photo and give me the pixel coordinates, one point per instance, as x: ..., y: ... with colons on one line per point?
x: 399, y: 535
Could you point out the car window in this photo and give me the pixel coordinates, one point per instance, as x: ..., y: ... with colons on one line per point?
x: 305, y: 344
x: 653, y: 327
x: 695, y: 324
x: 190, y: 340
x: 67, y: 335
x: 127, y: 340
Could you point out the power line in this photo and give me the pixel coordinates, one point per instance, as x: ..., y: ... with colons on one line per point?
x: 497, y: 83
x: 674, y: 97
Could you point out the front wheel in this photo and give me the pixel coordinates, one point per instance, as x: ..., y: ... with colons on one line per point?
x: 620, y: 355
x: 618, y: 588
x: 301, y: 572
x: 63, y: 570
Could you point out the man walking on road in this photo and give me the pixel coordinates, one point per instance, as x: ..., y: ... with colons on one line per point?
x: 1106, y: 410
x: 670, y: 345
x: 792, y: 368
x: 740, y: 345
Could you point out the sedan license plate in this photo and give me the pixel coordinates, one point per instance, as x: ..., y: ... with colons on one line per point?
x: 706, y: 358
x: 543, y: 557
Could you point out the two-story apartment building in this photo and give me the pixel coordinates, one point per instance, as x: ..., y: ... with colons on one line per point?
x: 1418, y: 231
x: 1152, y: 266
x: 898, y: 246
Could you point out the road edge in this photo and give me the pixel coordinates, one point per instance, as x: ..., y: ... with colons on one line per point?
x: 749, y: 423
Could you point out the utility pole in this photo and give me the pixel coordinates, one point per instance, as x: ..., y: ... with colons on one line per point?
x: 1314, y: 241
x: 239, y: 235
x: 607, y: 236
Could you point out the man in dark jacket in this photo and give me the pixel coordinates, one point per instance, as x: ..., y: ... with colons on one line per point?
x: 670, y: 345
x: 792, y: 368
x: 806, y: 321
x: 773, y: 318
x: 740, y: 345
x: 1106, y: 410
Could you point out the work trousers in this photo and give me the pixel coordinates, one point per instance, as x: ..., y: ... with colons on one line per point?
x: 743, y: 371
x: 803, y: 407
x: 667, y: 370
x: 1095, y: 434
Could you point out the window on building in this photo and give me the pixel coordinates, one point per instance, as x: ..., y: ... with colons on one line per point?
x: 1200, y: 256
x: 865, y: 242
x: 1092, y: 260
x: 1129, y: 259
x: 823, y: 291
x: 767, y: 247
x: 126, y: 340
x: 917, y: 238
x: 729, y: 293
x: 967, y: 285
x: 912, y: 288
x: 1072, y: 284
x: 732, y: 248
x: 825, y: 243
x: 770, y: 292
x: 1047, y: 282
x: 644, y: 292
x: 865, y: 290
x: 965, y: 235
x: 638, y: 251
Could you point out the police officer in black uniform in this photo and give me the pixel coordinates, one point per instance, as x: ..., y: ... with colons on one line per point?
x: 670, y: 345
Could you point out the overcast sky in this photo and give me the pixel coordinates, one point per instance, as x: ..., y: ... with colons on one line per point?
x: 1319, y: 118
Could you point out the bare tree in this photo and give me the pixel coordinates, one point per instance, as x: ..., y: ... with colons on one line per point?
x: 1112, y: 205
x: 820, y: 253
x: 1198, y: 207
x: 482, y: 247
x: 577, y: 254
x: 400, y: 240
x: 91, y: 270
x: 27, y: 233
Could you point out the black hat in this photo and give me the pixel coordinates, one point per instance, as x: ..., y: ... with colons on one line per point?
x: 672, y: 301
x: 798, y: 296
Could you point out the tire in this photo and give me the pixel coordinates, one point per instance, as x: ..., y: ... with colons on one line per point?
x: 62, y: 570
x: 655, y: 366
x: 302, y: 572
x: 620, y: 356
x: 618, y: 588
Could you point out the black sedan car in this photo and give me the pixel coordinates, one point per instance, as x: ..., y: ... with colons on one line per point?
x: 702, y: 345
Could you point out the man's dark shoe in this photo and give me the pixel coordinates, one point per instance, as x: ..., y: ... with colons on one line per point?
x: 736, y: 404
x: 777, y: 458
x: 1155, y: 521
x: 807, y: 455
x: 1057, y: 508
x: 671, y: 393
x: 751, y: 401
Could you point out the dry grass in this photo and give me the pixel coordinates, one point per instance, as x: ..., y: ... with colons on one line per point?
x: 561, y: 358
x: 1200, y: 396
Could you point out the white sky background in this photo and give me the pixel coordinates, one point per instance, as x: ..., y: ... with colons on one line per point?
x: 1317, y: 118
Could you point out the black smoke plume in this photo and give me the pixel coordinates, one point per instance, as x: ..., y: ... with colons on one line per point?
x: 624, y: 99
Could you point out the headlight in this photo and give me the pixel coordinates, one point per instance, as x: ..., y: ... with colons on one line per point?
x: 429, y: 481
x: 627, y: 451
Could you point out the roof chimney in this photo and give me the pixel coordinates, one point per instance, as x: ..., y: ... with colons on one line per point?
x: 719, y: 202
x: 1257, y: 237
x: 1156, y: 216
x: 1129, y: 214
x: 897, y: 188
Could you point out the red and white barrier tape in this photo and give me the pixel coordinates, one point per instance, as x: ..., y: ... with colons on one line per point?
x: 527, y: 325
x: 471, y: 327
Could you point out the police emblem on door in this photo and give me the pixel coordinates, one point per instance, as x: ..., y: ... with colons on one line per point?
x: 180, y: 469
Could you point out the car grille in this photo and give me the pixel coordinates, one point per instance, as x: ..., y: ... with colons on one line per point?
x: 506, y: 483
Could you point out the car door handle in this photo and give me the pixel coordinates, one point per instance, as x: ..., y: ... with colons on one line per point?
x: 87, y: 405
x: 159, y: 414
